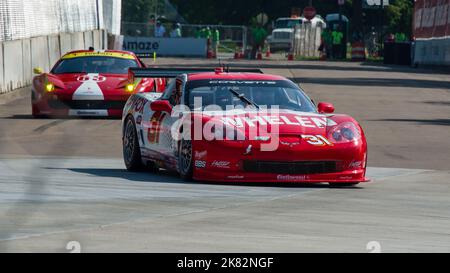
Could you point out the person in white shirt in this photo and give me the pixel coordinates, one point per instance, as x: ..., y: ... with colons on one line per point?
x: 176, y: 31
x: 160, y: 30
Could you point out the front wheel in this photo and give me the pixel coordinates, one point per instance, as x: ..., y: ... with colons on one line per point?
x: 131, y: 149
x: 185, y: 159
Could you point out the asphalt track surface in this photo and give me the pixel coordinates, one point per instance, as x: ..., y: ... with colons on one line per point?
x: 63, y: 180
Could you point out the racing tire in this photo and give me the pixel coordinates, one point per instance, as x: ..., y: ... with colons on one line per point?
x: 185, y: 161
x: 130, y: 147
x: 342, y: 185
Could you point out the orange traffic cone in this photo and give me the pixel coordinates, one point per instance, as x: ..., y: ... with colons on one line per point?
x: 259, y: 54
x: 268, y: 53
x: 290, y: 56
x: 236, y: 53
x: 241, y: 54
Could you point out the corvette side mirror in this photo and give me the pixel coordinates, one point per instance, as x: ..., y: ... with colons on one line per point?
x: 325, y: 108
x: 161, y: 106
x: 37, y: 70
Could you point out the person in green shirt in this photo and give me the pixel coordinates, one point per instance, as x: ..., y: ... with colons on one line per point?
x: 208, y: 33
x: 400, y: 37
x: 215, y: 40
x: 327, y: 42
x: 337, y: 37
x: 259, y: 35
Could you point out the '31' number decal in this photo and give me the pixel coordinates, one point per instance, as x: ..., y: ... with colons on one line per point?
x: 317, y: 140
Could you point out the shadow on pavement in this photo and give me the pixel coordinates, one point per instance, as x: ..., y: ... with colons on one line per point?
x: 444, y: 103
x: 164, y: 176
x: 443, y: 122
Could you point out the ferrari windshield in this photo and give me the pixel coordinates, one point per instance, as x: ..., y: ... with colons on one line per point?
x: 94, y: 64
x: 257, y: 94
x: 287, y: 23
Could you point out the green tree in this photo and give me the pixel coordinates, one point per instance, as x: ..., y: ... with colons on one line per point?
x: 140, y: 11
x: 399, y: 16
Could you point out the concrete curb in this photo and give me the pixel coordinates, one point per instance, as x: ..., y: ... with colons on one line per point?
x: 15, y: 94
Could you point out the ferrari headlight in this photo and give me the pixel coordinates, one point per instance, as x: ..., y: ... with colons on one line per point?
x: 129, y: 87
x: 344, y: 132
x: 49, y: 87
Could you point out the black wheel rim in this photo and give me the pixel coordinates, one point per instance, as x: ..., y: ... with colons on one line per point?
x: 129, y: 141
x: 185, y: 156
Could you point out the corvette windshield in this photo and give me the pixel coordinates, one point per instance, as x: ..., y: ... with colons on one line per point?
x: 94, y: 64
x: 264, y: 94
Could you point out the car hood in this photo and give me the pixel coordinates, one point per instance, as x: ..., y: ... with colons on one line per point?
x: 106, y: 82
x: 282, y: 122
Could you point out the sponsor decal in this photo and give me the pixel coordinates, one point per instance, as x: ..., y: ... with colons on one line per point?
x: 99, y: 113
x: 290, y: 144
x: 317, y: 140
x: 346, y: 177
x: 262, y: 120
x: 200, y: 164
x: 91, y: 77
x: 221, y: 164
x: 287, y: 177
x: 355, y: 164
x: 89, y: 89
x: 235, y: 177
x: 139, y: 120
x: 200, y: 154
x: 154, y: 127
x: 234, y: 82
x: 98, y: 53
x: 136, y: 104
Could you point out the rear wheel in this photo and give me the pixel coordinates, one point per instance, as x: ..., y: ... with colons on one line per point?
x: 340, y: 185
x: 185, y: 159
x: 131, y: 149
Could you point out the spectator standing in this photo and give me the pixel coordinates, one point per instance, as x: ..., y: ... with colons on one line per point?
x: 160, y: 30
x: 215, y: 40
x: 337, y: 37
x: 259, y: 35
x: 327, y: 41
x: 176, y: 31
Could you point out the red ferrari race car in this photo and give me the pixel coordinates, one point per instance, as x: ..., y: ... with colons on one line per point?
x: 240, y: 126
x: 88, y: 83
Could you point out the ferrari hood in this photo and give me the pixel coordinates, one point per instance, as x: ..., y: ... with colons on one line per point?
x: 92, y: 86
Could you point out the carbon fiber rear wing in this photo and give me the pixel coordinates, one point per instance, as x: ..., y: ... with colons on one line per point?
x: 139, y: 72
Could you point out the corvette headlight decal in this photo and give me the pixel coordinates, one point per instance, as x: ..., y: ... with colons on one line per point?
x: 344, y: 133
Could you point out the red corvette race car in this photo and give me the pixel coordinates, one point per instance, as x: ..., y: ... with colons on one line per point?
x: 240, y: 126
x: 88, y: 83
